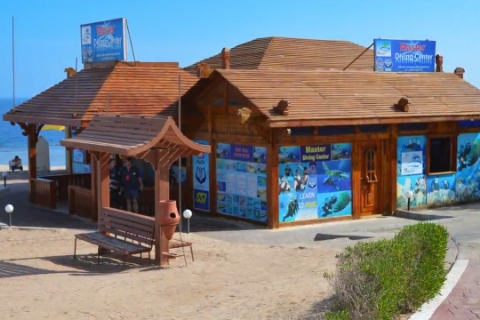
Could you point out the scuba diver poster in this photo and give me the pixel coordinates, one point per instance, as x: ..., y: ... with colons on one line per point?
x: 411, y: 155
x: 201, y: 180
x: 441, y: 190
x: 467, y: 178
x: 242, y: 181
x: 417, y: 184
x: 314, y: 181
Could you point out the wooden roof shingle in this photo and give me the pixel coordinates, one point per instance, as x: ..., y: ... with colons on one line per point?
x: 293, y: 53
x: 339, y: 97
x: 141, y: 88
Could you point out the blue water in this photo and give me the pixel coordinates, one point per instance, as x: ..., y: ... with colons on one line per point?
x: 13, y: 143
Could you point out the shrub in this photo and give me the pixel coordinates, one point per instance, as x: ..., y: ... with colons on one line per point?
x: 377, y: 280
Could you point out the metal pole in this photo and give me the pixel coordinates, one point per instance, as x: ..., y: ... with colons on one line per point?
x: 180, y: 159
x: 188, y: 225
x: 10, y: 219
x: 13, y: 61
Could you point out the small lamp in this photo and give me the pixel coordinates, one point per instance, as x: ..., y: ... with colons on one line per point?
x: 409, y: 195
x: 187, y: 214
x: 9, y: 210
x: 4, y: 175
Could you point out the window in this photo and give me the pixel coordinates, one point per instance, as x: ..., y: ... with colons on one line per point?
x: 218, y: 102
x: 370, y: 163
x: 440, y: 155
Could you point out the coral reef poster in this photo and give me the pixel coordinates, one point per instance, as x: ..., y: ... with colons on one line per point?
x: 411, y: 166
x: 201, y: 180
x: 315, y: 181
x: 242, y: 181
x: 441, y: 189
x: 467, y: 178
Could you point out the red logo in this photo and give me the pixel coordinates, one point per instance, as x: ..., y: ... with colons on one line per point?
x: 412, y: 47
x: 103, y: 30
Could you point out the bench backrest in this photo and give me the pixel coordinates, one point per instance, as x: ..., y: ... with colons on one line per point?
x: 127, y: 225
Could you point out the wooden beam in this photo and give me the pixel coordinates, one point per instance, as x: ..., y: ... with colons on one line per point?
x: 272, y: 184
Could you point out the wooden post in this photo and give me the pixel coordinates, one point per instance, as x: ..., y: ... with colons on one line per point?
x: 393, y: 170
x: 32, y: 157
x: 102, y: 181
x: 162, y: 192
x: 272, y: 184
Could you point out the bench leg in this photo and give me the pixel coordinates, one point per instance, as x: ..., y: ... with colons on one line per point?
x: 75, y: 249
x: 149, y: 258
x: 98, y: 255
x: 184, y: 256
x: 191, y: 251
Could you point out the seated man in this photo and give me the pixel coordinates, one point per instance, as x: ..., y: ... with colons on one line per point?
x: 16, y: 163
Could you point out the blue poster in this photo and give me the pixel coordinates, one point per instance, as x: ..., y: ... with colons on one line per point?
x: 467, y: 178
x: 417, y: 185
x: 440, y: 190
x: 201, y: 181
x: 404, y: 55
x: 104, y: 41
x: 242, y: 181
x: 314, y: 181
x: 411, y: 169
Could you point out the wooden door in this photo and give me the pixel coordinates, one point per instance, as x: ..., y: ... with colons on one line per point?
x: 371, y: 177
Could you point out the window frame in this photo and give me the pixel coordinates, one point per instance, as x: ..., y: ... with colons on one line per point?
x: 453, y: 153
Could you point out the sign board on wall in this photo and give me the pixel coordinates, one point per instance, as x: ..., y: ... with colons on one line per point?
x: 104, y: 41
x: 404, y: 55
x: 201, y: 180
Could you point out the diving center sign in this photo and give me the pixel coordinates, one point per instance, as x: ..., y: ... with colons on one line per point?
x: 404, y: 55
x: 104, y: 41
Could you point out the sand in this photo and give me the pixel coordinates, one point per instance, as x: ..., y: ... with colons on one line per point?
x: 40, y: 280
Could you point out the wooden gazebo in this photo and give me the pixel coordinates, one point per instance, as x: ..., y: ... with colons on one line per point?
x: 157, y: 140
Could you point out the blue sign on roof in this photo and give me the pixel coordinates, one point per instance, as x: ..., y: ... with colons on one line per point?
x: 404, y: 55
x: 104, y: 41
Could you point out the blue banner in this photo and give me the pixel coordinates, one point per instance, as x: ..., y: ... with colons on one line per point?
x: 104, y: 41
x: 404, y: 55
x: 201, y: 180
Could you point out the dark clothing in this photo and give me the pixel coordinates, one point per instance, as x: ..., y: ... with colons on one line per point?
x: 115, y: 192
x: 130, y: 179
x: 13, y: 168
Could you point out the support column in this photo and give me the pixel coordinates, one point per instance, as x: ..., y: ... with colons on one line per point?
x: 102, y: 181
x: 162, y: 192
x: 30, y: 131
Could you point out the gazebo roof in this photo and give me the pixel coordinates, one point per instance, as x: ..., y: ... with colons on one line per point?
x: 132, y: 136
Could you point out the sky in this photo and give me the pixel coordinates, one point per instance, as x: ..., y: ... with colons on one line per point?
x: 47, y: 32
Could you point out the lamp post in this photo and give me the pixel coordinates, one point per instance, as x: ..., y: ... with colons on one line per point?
x: 9, y: 210
x: 4, y: 175
x: 187, y: 214
x: 409, y: 195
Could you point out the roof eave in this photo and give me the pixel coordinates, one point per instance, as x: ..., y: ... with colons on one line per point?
x: 19, y: 118
x: 288, y: 123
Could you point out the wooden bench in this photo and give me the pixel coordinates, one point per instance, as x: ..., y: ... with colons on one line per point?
x: 115, y: 228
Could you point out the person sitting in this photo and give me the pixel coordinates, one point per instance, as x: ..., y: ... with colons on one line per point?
x: 16, y: 164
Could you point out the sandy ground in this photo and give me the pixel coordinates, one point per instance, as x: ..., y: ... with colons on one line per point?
x: 40, y: 280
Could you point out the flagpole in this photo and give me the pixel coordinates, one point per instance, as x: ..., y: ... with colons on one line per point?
x: 13, y: 62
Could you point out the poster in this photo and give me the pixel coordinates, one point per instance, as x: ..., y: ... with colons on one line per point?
x: 201, y: 180
x: 411, y: 169
x: 467, y: 178
x: 417, y: 184
x: 441, y: 190
x: 242, y: 181
x: 411, y: 155
x: 314, y: 182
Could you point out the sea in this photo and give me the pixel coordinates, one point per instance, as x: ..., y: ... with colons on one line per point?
x: 13, y: 143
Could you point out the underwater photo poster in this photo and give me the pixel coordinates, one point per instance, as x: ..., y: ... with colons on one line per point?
x: 440, y: 190
x: 314, y: 181
x: 242, y: 181
x: 411, y: 155
x: 467, y: 177
x: 417, y: 184
x: 201, y: 180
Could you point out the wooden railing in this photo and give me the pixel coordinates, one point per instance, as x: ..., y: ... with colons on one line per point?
x: 80, y: 202
x: 42, y: 193
x: 63, y: 181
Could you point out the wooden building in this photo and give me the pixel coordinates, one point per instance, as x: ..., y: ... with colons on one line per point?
x: 135, y: 88
x: 296, y: 147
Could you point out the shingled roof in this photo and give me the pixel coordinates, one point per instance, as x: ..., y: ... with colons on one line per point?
x: 341, y: 97
x: 141, y: 88
x: 293, y: 53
